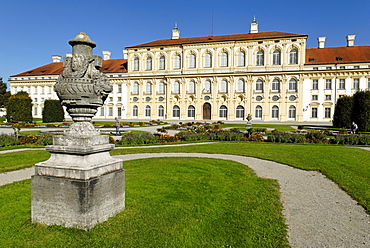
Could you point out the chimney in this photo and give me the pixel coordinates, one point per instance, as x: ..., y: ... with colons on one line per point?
x: 56, y: 58
x: 321, y: 41
x: 350, y: 40
x: 253, y: 27
x: 68, y: 55
x: 125, y: 52
x: 175, y: 33
x: 106, y: 55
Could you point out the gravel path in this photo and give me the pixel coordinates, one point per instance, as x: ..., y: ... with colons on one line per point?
x: 318, y: 213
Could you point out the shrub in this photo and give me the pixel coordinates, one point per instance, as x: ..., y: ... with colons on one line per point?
x: 281, y: 137
x: 316, y: 137
x: 342, y: 117
x: 8, y: 140
x: 361, y: 110
x: 256, y: 137
x: 35, y: 139
x: 138, y: 139
x: 19, y: 108
x: 352, y: 140
x: 52, y: 112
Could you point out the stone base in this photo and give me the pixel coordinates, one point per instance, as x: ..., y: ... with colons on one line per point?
x: 77, y: 203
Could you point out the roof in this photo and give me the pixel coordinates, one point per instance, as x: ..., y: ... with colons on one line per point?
x: 337, y: 55
x: 56, y: 68
x: 219, y: 38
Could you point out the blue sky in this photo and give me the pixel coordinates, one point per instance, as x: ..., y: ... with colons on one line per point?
x: 33, y: 30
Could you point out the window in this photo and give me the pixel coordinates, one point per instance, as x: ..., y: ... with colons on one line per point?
x: 119, y: 88
x: 119, y: 99
x: 223, y: 112
x: 111, y: 99
x: 223, y: 86
x: 315, y: 84
x: 241, y: 58
x: 276, y: 57
x: 162, y: 63
x: 176, y: 87
x: 259, y: 85
x: 258, y: 112
x: 148, y: 88
x: 191, y: 111
x: 35, y: 90
x: 191, y: 89
x: 34, y: 110
x: 293, y: 56
x: 356, y: 83
x: 177, y: 62
x: 135, y: 88
x: 207, y: 87
x: 208, y: 60
x: 102, y: 111
x: 327, y: 97
x: 240, y: 86
x: 49, y: 89
x: 147, y: 111
x: 328, y: 84
x: 293, y: 84
x: 136, y: 64
x: 275, y: 85
x: 161, y: 88
x: 240, y: 112
x: 224, y: 59
x: 342, y: 84
x: 315, y: 97
x: 275, y: 112
x: 260, y: 58
x: 368, y: 83
x: 42, y: 90
x: 149, y: 63
x: 292, y: 112
x: 135, y: 111
x: 327, y: 112
x: 176, y: 111
x: 314, y: 112
x: 119, y: 112
x: 110, y: 111
x: 160, y: 111
x: 192, y: 61
x: 36, y: 99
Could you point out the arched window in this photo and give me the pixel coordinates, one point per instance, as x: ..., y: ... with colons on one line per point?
x: 135, y: 111
x: 241, y: 58
x: 260, y: 60
x: 276, y: 60
x: 240, y: 86
x: 162, y: 63
x: 177, y: 62
x: 208, y: 60
x: 192, y: 61
x: 223, y: 86
x: 293, y: 56
x: 176, y: 111
x: 191, y: 87
x: 259, y: 85
x: 176, y: 87
x: 149, y: 63
x: 223, y: 112
x: 148, y: 88
x: 292, y: 112
x: 275, y: 112
x: 224, y: 59
x: 292, y: 85
x: 135, y: 88
x: 207, y: 87
x: 136, y: 64
x: 240, y: 112
x: 160, y: 111
x: 191, y: 111
x: 258, y: 112
x: 161, y: 88
x: 147, y: 111
x: 275, y: 85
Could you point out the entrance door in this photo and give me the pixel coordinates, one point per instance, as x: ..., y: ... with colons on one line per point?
x: 206, y: 111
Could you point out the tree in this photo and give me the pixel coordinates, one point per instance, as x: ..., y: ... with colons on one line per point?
x: 343, y: 112
x: 361, y: 110
x: 4, y: 95
x: 19, y: 108
x: 53, y: 111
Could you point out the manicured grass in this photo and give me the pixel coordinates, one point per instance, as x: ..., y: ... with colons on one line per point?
x: 20, y: 160
x: 346, y: 166
x: 277, y: 127
x: 170, y: 202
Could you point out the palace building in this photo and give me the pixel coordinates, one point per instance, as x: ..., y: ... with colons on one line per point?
x: 270, y: 75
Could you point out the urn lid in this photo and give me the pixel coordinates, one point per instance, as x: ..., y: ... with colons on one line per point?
x: 82, y: 38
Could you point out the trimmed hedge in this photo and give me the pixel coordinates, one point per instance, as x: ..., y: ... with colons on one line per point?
x: 361, y: 110
x: 52, y: 112
x: 19, y: 108
x: 343, y: 112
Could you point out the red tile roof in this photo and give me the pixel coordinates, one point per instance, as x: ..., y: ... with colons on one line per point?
x: 337, y: 55
x: 56, y: 68
x: 219, y: 38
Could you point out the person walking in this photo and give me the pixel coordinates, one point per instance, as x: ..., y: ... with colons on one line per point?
x: 118, y: 125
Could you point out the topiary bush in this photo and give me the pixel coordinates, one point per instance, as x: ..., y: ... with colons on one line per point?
x: 19, y: 108
x: 52, y: 112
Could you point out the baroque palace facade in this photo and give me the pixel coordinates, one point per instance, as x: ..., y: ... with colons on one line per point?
x: 270, y: 75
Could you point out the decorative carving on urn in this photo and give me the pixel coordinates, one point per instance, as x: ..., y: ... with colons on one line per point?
x: 82, y: 88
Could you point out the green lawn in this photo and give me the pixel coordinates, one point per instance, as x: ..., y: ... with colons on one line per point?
x: 170, y: 202
x: 277, y: 127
